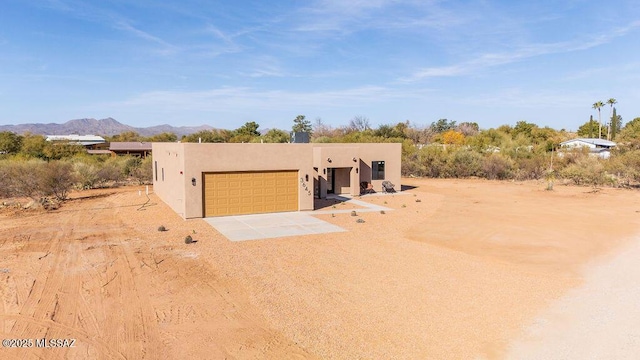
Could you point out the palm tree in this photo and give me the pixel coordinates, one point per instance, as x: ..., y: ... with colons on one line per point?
x: 611, y: 102
x: 598, y: 105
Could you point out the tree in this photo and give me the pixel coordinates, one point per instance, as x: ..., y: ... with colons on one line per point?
x: 524, y: 128
x: 615, y: 124
x: 126, y: 136
x: 588, y: 129
x: 631, y: 130
x: 208, y: 136
x: 443, y: 125
x: 598, y: 105
x: 33, y: 145
x: 359, y: 123
x: 452, y: 137
x: 245, y: 133
x: 301, y: 124
x: 611, y: 102
x: 163, y: 137
x: 10, y: 142
x: 469, y: 128
x: 276, y: 136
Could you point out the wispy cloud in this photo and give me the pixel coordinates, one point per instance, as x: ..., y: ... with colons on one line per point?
x: 517, y: 54
x: 107, y: 17
x: 242, y: 98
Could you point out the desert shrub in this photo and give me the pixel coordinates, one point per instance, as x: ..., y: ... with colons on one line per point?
x: 463, y: 163
x: 625, y: 166
x: 353, y: 213
x: 532, y: 168
x: 432, y: 161
x: 161, y: 228
x: 22, y: 179
x: 57, y: 179
x: 131, y: 165
x: 86, y: 175
x: 110, y: 171
x: 586, y: 171
x: 188, y: 239
x: 496, y: 166
x: 144, y: 171
x: 360, y: 221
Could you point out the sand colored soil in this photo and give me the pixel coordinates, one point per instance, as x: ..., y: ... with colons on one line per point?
x: 459, y: 274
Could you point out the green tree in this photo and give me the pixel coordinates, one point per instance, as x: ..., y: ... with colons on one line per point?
x: 588, y: 129
x: 631, y: 131
x: 246, y: 133
x: 615, y: 123
x: 163, y: 137
x: 126, y: 136
x: 276, y: 136
x: 524, y: 128
x: 443, y: 125
x: 611, y: 102
x: 10, y: 142
x: 301, y: 124
x: 598, y: 105
x: 33, y: 145
x: 208, y: 136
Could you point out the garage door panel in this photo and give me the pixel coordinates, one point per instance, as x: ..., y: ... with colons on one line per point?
x: 250, y: 192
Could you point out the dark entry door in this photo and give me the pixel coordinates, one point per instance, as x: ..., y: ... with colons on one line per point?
x: 331, y: 181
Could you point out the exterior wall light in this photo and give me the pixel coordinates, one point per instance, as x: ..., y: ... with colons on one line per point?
x: 306, y: 177
x: 193, y: 181
x: 328, y: 159
x: 355, y: 159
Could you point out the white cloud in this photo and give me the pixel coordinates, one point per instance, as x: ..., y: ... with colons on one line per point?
x: 519, y: 53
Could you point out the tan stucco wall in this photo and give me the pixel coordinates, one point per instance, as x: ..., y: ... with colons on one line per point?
x: 195, y: 159
x: 169, y: 158
x: 203, y: 158
x: 342, y: 156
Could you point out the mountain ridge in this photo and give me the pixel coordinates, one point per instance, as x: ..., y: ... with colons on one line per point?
x: 103, y: 127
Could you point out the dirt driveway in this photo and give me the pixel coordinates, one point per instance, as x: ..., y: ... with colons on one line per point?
x: 457, y: 274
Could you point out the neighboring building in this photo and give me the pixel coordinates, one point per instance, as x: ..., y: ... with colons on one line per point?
x: 597, y: 147
x: 88, y: 141
x: 202, y: 180
x: 141, y: 149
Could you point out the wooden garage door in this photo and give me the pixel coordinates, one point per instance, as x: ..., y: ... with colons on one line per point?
x: 236, y: 193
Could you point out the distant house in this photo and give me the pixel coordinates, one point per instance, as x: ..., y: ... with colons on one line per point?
x: 88, y: 141
x: 141, y: 149
x: 597, y: 147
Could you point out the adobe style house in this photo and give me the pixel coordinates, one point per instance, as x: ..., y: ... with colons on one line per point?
x: 217, y: 179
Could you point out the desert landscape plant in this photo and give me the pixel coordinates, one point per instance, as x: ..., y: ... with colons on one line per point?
x: 188, y: 239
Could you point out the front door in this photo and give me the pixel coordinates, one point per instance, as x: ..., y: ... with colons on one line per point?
x: 331, y: 180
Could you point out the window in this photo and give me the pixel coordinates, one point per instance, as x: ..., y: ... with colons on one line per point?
x: 156, y: 169
x: 162, y: 174
x: 377, y: 170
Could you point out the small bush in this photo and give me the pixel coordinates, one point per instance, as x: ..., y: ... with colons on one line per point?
x: 404, y: 206
x: 188, y: 239
x: 162, y: 228
x: 360, y: 221
x: 418, y: 200
x: 382, y: 212
x: 585, y: 171
x: 497, y: 167
x: 353, y: 213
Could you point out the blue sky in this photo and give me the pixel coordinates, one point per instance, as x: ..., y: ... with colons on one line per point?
x: 224, y: 63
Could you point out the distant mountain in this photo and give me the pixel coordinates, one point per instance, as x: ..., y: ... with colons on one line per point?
x: 104, y: 127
